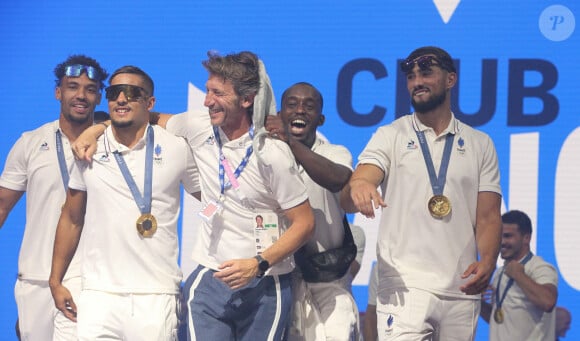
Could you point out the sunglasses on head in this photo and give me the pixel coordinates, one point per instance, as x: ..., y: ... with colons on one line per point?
x: 423, y: 62
x: 77, y: 69
x: 132, y: 92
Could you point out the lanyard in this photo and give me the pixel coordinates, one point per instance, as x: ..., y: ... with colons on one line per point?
x: 437, y: 182
x: 510, y: 282
x: 143, y: 202
x: 224, y: 165
x: 61, y: 160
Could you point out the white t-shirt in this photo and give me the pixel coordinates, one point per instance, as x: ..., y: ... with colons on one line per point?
x: 116, y: 257
x: 32, y: 166
x: 328, y: 214
x: 522, y: 319
x: 269, y: 184
x: 416, y: 250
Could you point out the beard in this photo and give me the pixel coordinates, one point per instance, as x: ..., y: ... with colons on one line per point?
x: 122, y: 124
x: 434, y: 102
x: 77, y: 119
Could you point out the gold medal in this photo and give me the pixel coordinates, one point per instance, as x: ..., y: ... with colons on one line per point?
x: 147, y: 225
x: 498, y: 315
x: 439, y: 206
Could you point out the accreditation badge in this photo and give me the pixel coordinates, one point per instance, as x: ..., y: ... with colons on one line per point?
x: 498, y: 315
x: 439, y: 206
x: 147, y: 225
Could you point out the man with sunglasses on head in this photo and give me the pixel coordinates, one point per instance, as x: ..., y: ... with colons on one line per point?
x: 126, y: 205
x: 39, y: 164
x: 440, y: 227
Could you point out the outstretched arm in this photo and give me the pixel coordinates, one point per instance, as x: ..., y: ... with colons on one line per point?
x: 361, y: 194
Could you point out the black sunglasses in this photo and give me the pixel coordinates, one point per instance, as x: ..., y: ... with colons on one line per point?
x: 423, y: 62
x: 131, y: 92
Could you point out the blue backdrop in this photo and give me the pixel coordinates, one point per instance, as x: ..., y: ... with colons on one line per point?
x: 518, y: 82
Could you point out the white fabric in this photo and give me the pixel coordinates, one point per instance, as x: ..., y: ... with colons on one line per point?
x: 418, y: 315
x: 373, y: 284
x: 117, y: 258
x: 522, y: 319
x: 32, y: 166
x: 269, y: 183
x: 37, y: 314
x: 264, y: 104
x: 328, y: 214
x: 414, y: 249
x: 126, y: 316
x: 324, y: 311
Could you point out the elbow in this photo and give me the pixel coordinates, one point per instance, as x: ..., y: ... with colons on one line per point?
x: 549, y: 306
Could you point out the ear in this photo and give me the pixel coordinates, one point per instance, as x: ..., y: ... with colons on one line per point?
x: 527, y: 238
x: 451, y: 79
x: 248, y: 101
x: 57, y: 93
x: 321, y: 120
x: 150, y: 103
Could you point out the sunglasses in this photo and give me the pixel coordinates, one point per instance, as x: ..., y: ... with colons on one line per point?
x: 132, y: 92
x: 423, y: 62
x: 77, y: 69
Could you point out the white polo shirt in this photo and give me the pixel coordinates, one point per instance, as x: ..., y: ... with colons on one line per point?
x: 32, y: 166
x: 268, y: 184
x: 116, y: 257
x: 328, y: 214
x: 416, y: 250
x: 522, y: 319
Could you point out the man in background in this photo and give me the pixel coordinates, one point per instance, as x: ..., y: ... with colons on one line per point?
x: 525, y: 288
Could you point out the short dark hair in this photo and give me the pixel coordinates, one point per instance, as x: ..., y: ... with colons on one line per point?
x: 439, y: 53
x: 80, y: 59
x: 242, y: 69
x: 135, y: 71
x: 305, y: 84
x: 519, y: 218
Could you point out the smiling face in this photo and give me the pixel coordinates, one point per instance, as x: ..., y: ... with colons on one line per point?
x: 226, y: 109
x: 429, y: 86
x: 78, y: 98
x: 134, y: 111
x: 301, y: 112
x: 514, y: 244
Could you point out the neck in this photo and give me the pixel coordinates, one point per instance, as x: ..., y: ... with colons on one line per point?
x: 128, y: 136
x: 71, y: 129
x: 239, y: 129
x: 437, y: 119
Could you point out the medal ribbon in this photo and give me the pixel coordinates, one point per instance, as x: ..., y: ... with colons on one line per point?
x: 143, y: 202
x: 222, y: 159
x: 509, y: 284
x: 61, y: 160
x: 437, y: 182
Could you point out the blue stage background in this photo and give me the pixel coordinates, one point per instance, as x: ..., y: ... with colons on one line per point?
x: 518, y: 67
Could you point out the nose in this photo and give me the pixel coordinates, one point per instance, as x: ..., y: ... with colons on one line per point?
x: 121, y: 98
x: 209, y: 100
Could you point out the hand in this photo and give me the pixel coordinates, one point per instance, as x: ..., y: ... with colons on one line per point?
x: 64, y: 302
x: 481, y: 272
x: 513, y: 269
x: 365, y: 197
x: 237, y: 273
x: 275, y: 127
x: 85, y: 146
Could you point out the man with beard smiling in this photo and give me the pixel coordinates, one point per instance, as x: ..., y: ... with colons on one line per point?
x: 525, y: 289
x: 325, y: 169
x: 39, y: 164
x: 126, y: 205
x: 440, y: 204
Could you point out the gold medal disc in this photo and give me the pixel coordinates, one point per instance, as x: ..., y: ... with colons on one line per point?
x: 147, y: 225
x: 498, y: 315
x: 439, y: 206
